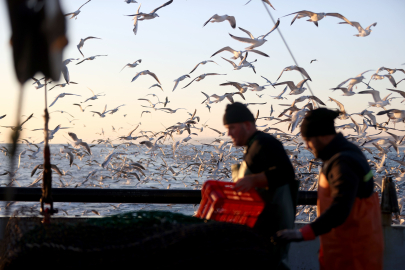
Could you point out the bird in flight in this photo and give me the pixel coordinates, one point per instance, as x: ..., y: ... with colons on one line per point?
x: 74, y: 14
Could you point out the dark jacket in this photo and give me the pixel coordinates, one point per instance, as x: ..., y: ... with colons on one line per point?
x: 349, y: 177
x: 266, y: 154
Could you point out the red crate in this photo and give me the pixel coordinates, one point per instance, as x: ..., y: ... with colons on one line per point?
x: 221, y: 202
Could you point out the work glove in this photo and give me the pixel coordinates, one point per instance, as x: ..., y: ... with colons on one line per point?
x: 289, y: 236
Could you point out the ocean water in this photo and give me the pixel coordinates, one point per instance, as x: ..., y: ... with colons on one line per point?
x: 163, y: 170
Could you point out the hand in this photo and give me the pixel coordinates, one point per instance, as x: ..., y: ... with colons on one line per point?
x: 245, y: 184
x: 289, y: 236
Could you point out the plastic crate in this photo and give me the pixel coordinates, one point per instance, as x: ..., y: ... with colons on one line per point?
x: 221, y: 202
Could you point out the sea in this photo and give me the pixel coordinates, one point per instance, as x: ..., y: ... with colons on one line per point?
x: 187, y: 168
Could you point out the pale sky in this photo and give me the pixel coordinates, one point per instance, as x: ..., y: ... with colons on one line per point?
x: 172, y: 44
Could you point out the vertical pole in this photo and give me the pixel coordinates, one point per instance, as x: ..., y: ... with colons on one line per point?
x: 47, y: 175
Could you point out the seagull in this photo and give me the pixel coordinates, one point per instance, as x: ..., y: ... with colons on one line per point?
x: 63, y: 112
x: 299, y: 69
x: 68, y: 151
x: 394, y: 114
x: 115, y: 109
x: 179, y: 79
x: 268, y: 81
x: 94, y: 97
x: 61, y: 96
x: 295, y: 90
x: 78, y: 142
x: 217, y: 18
x: 81, y: 43
x: 38, y: 82
x: 242, y: 88
x: 315, y: 17
x: 375, y: 76
x: 152, y: 105
x: 51, y: 132
x: 145, y: 112
x: 171, y: 111
x: 103, y: 113
x: 81, y: 106
x: 152, y: 14
x: 390, y: 70
x: 229, y: 96
x: 353, y: 81
x: 313, y: 60
x: 14, y: 128
x: 129, y: 136
x: 90, y: 58
x: 202, y: 63
x: 342, y: 112
x: 365, y: 113
x: 280, y: 96
x: 243, y: 63
x: 156, y: 85
x: 135, y: 18
x: 362, y: 32
x: 201, y: 77
x: 134, y: 64
x: 378, y: 102
x: 238, y: 54
x: 130, y: 1
x: 145, y: 72
x: 65, y: 70
x: 256, y: 87
x: 345, y: 91
x: 74, y: 14
x: 61, y: 85
x: 303, y: 98
x: 256, y: 42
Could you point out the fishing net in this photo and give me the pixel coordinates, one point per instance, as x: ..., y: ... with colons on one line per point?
x: 156, y: 239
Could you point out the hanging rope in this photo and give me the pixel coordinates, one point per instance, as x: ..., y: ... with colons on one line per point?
x: 47, y: 175
x: 285, y: 43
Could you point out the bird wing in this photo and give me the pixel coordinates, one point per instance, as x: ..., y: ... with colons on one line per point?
x: 357, y: 125
x: 65, y: 73
x: 82, y: 60
x: 341, y: 107
x: 301, y: 83
x: 189, y: 83
x: 175, y: 85
x: 207, y: 97
x: 402, y: 93
x: 238, y: 93
x: 86, y: 146
x: 374, y: 24
x: 268, y: 3
x: 392, y: 80
x: 165, y: 4
x: 209, y: 19
x: 232, y: 21
x: 83, y: 4
x: 259, y: 52
x: 73, y: 136
x: 340, y: 16
x: 302, y: 12
x: 195, y: 68
x: 227, y: 48
x: 229, y: 61
x: 29, y: 117
x: 136, y: 76
x: 317, y: 100
x: 245, y: 40
x: 280, y: 74
x: 290, y: 84
x: 90, y: 38
x: 247, y: 32
x: 208, y: 74
x: 274, y: 28
x: 375, y: 93
x: 303, y: 72
x: 354, y: 24
x: 153, y: 74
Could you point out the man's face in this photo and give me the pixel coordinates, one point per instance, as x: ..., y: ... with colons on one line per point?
x: 314, y: 144
x: 238, y: 132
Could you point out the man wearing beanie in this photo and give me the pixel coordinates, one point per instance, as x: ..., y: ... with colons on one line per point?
x: 348, y: 210
x: 267, y: 168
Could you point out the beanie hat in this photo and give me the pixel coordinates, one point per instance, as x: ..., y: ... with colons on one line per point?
x: 319, y: 122
x: 237, y: 113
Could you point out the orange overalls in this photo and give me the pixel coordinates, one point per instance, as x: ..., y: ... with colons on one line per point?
x: 358, y: 242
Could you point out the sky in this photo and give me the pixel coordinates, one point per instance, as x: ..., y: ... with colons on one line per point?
x: 173, y: 43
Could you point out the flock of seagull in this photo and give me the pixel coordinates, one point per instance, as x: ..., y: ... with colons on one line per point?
x: 155, y: 157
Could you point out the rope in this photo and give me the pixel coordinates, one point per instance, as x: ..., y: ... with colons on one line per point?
x: 288, y: 48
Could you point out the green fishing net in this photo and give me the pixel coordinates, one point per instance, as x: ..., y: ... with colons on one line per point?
x: 153, y: 238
